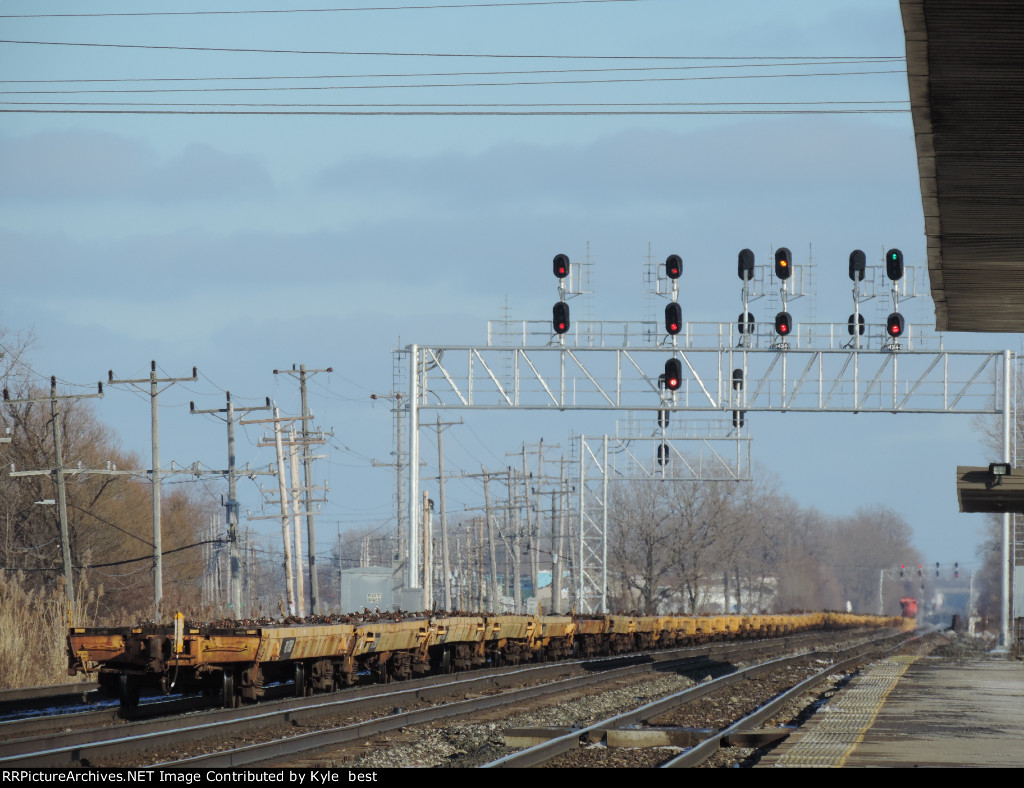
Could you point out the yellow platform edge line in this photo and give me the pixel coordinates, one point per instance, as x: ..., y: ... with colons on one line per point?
x: 824, y: 748
x: 907, y: 662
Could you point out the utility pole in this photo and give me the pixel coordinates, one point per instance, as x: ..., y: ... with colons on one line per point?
x: 428, y: 559
x: 307, y: 475
x: 231, y: 505
x: 533, y: 510
x: 292, y: 560
x: 508, y: 537
x: 398, y: 465
x: 58, y: 472
x: 158, y: 566
x: 495, y: 599
x: 445, y: 558
x: 558, y: 541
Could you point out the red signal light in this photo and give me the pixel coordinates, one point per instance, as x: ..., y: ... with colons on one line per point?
x: 673, y: 374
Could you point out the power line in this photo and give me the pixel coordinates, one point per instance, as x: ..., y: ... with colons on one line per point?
x: 465, y: 84
x: 318, y: 10
x: 452, y: 114
x: 422, y: 54
x: 473, y: 104
x: 822, y: 62
x: 288, y: 89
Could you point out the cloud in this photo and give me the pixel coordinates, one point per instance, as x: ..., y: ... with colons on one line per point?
x: 76, y: 166
x: 71, y: 165
x: 202, y: 172
x: 640, y: 169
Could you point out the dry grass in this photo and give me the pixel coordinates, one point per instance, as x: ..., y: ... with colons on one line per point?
x: 33, y: 631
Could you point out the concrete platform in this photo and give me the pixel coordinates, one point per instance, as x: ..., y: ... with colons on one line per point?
x: 917, y: 711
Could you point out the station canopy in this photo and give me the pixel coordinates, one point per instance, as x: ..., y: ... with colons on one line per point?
x: 965, y: 67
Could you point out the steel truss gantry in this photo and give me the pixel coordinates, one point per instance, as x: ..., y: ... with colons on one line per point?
x: 616, y: 367
x: 635, y: 457
x: 775, y: 379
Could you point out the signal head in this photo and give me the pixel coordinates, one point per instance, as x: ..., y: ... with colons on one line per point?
x: 895, y: 325
x: 738, y: 418
x: 858, y: 265
x: 860, y: 325
x: 783, y: 263
x: 673, y: 318
x: 674, y: 266
x: 560, y: 317
x: 783, y: 324
x: 745, y: 264
x: 663, y: 454
x: 737, y: 379
x: 894, y: 264
x: 745, y: 323
x: 673, y: 374
x: 561, y: 265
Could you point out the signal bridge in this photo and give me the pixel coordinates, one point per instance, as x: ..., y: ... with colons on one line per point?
x: 617, y: 366
x: 706, y: 367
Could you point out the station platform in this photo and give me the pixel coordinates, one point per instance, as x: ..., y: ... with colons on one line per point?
x: 917, y: 711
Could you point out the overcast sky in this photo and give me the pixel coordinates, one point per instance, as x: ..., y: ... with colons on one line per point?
x: 241, y: 243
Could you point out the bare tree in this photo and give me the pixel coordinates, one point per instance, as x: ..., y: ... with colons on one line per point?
x: 641, y: 538
x: 109, y: 517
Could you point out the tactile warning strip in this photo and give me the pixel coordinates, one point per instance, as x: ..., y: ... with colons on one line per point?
x: 839, y: 726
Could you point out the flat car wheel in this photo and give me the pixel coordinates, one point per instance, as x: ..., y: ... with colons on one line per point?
x: 228, y: 700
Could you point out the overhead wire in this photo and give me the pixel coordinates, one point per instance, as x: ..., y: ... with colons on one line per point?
x: 777, y: 104
x: 397, y: 75
x: 398, y: 113
x: 373, y: 53
x: 277, y: 108
x: 431, y: 7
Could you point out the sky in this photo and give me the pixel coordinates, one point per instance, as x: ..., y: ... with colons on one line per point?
x: 322, y: 224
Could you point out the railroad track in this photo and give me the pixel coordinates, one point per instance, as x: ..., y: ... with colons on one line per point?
x: 630, y: 724
x: 347, y: 716
x: 17, y: 700
x: 126, y: 741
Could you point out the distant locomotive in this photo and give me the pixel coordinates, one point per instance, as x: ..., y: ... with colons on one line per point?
x: 909, y: 605
x: 237, y: 659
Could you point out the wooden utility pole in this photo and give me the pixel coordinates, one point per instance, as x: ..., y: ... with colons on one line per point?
x: 515, y: 527
x: 307, y: 470
x: 294, y: 587
x: 558, y: 544
x: 158, y: 560
x: 428, y: 560
x: 282, y: 483
x: 58, y: 472
x: 445, y: 557
x: 399, y: 466
x: 231, y: 505
x: 495, y: 600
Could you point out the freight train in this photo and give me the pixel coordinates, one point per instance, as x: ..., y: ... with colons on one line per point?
x: 238, y: 659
